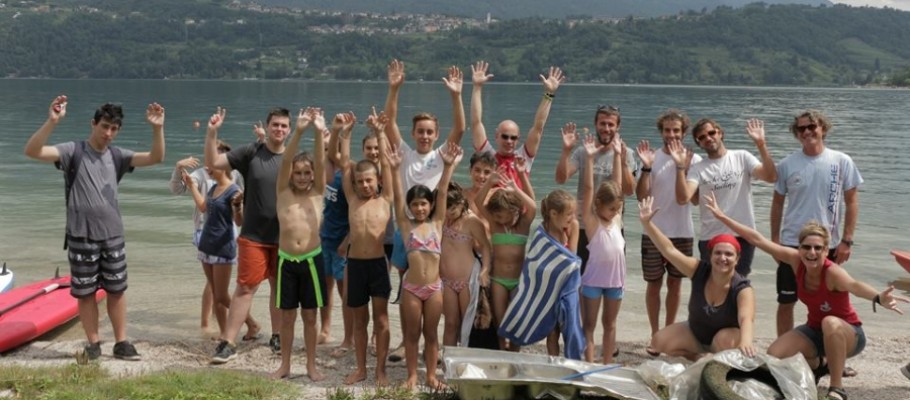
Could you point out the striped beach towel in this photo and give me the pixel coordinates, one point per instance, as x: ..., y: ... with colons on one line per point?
x: 547, y: 294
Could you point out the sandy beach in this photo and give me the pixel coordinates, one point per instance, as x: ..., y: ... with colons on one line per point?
x: 166, y: 332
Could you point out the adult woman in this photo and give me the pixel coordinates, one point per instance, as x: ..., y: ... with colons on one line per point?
x: 722, y: 303
x: 833, y: 329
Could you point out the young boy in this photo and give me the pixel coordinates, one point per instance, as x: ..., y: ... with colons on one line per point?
x: 367, y: 274
x: 301, y: 273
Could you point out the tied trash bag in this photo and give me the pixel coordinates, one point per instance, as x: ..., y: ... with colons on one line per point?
x: 731, y: 375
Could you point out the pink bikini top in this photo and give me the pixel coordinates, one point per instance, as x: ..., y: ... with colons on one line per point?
x: 430, y: 244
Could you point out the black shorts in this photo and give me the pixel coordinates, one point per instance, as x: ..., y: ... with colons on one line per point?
x: 301, y: 281
x: 786, y: 281
x: 366, y: 279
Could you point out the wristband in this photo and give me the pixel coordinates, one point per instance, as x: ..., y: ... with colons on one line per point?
x: 678, y: 168
x: 877, y: 299
x: 648, y: 169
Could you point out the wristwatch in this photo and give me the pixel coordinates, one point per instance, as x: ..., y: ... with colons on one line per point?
x: 849, y: 243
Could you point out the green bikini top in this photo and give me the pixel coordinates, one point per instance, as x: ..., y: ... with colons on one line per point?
x: 509, y: 239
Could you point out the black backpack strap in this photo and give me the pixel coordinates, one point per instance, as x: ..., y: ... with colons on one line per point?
x: 122, y: 164
x: 69, y: 175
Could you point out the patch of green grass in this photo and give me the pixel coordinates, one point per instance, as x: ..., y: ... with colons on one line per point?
x: 388, y: 393
x: 78, y: 382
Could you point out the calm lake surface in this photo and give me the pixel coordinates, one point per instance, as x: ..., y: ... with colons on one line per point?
x: 870, y: 125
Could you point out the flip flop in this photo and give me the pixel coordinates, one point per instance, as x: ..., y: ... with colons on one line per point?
x: 251, y: 338
x: 650, y: 352
x: 849, y: 372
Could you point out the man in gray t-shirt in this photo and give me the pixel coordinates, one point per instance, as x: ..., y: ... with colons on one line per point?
x: 94, y: 229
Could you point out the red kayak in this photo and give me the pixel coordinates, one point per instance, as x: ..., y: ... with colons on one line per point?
x: 903, y: 258
x: 30, y: 311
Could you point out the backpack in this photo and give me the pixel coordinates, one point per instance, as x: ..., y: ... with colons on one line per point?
x: 69, y: 176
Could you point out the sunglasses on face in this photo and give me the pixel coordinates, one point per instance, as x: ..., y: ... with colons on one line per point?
x: 807, y: 247
x: 803, y: 128
x: 509, y: 137
x: 711, y: 133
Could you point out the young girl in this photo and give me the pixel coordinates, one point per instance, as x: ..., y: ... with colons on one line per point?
x: 605, y: 274
x: 509, y: 213
x: 460, y: 267
x: 546, y: 302
x: 421, y: 301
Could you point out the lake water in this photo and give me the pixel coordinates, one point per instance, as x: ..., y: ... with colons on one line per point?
x: 869, y: 124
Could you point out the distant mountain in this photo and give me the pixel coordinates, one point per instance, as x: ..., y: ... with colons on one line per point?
x: 510, y: 9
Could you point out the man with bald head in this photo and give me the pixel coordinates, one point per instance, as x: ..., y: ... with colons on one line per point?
x: 508, y: 133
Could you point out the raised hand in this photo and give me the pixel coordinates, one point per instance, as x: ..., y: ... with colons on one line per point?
x: 451, y: 154
x: 347, y: 121
x: 711, y: 204
x: 553, y: 79
x: 217, y: 118
x: 259, y: 131
x: 521, y: 165
x: 591, y: 146
x: 479, y: 74
x: 57, y: 109
x: 396, y: 73
x: 318, y: 120
x: 646, y: 154
x: 154, y: 114
x: 681, y: 155
x: 756, y: 130
x: 304, y: 119
x: 188, y: 163
x: 455, y: 80
x: 392, y: 156
x: 187, y: 179
x: 618, y: 146
x: 504, y: 179
x: 645, y: 213
x: 569, y: 136
x: 377, y: 122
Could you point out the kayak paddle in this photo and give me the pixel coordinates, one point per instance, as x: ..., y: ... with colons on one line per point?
x: 47, y: 289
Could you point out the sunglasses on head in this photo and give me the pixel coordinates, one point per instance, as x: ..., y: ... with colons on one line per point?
x: 803, y: 128
x: 607, y: 107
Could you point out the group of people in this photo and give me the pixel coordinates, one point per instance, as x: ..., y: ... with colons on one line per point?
x: 310, y: 221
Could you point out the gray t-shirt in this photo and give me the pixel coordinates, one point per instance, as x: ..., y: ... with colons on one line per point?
x: 603, y: 168
x: 259, y: 168
x: 93, y: 211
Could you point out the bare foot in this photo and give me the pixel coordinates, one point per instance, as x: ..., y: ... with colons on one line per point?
x: 381, y: 379
x: 281, y: 373
x: 252, y: 333
x: 314, y: 375
x: 341, y: 351
x: 323, y: 337
x: 411, y: 383
x: 435, y: 384
x: 356, y: 376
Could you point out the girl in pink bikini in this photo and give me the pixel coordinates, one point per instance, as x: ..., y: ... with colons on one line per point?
x: 421, y: 301
x: 464, y: 264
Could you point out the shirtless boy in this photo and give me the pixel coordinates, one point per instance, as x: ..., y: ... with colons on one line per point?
x: 301, y: 273
x: 367, y: 273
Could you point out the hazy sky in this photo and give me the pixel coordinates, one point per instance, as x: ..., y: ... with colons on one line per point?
x: 898, y: 4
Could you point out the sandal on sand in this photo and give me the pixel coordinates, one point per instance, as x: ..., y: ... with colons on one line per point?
x: 252, y: 334
x: 836, y: 393
x: 397, y: 354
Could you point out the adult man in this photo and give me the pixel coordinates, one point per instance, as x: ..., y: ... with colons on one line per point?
x: 728, y: 174
x: 507, y: 132
x: 606, y: 123
x: 94, y: 227
x: 814, y: 180
x: 257, y: 245
x: 658, y: 180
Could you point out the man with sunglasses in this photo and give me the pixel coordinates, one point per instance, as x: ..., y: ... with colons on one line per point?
x: 507, y: 132
x: 728, y: 174
x: 814, y: 180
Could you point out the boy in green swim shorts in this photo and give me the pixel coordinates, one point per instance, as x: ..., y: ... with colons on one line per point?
x: 301, y: 276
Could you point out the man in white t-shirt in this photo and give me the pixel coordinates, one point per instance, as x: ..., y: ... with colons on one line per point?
x: 728, y: 174
x: 658, y: 179
x: 813, y: 180
x: 507, y: 133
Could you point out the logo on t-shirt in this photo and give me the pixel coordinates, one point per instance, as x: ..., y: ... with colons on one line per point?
x: 825, y: 307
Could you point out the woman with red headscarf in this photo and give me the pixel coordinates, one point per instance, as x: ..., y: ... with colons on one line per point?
x: 722, y: 303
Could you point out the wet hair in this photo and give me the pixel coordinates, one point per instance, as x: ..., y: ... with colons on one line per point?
x: 424, y: 116
x: 558, y: 200
x: 277, y: 112
x: 813, y: 228
x: 673, y: 115
x: 608, y: 111
x: 111, y: 112
x: 607, y: 193
x: 700, y: 124
x: 417, y: 192
x: 366, y: 166
x: 303, y: 156
x: 815, y: 117
x: 483, y: 157
x: 503, y: 200
x: 455, y: 196
x: 223, y: 147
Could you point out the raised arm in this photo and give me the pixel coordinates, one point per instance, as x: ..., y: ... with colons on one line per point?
x: 304, y: 119
x: 684, y: 188
x: 396, y: 79
x: 176, y: 184
x: 525, y: 194
x: 626, y: 178
x: 646, y: 154
x: 451, y: 155
x: 319, y: 170
x: 392, y: 162
x: 334, y: 154
x: 589, y: 217
x: 767, y: 171
x: 550, y: 85
x: 213, y: 159
x: 479, y: 76
x: 190, y: 184
x: 783, y: 253
x: 454, y: 83
x: 36, y: 147
x: 565, y: 169
x: 154, y: 115
x: 685, y: 264
x: 386, y: 176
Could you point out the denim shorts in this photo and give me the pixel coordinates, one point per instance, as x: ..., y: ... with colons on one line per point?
x: 591, y: 292
x: 818, y: 339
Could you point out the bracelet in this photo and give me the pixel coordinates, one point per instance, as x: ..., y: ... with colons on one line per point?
x: 549, y: 95
x: 876, y: 299
x: 648, y: 169
x: 678, y: 168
